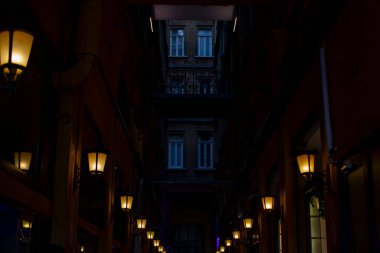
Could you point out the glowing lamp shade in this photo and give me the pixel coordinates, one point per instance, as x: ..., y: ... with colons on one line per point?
x: 96, y: 162
x: 156, y: 242
x: 82, y: 248
x: 228, y: 242
x: 160, y: 248
x: 22, y: 160
x: 268, y: 203
x: 26, y: 224
x: 248, y: 222
x: 126, y: 202
x: 236, y: 234
x: 222, y: 248
x: 150, y: 234
x: 141, y: 223
x: 15, y: 47
x: 306, y: 165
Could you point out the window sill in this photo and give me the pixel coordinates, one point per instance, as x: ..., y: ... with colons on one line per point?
x: 179, y: 56
x: 199, y: 56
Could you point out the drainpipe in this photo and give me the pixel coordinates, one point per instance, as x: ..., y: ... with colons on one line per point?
x: 66, y: 198
x: 326, y: 103
x: 331, y: 173
x: 87, y: 44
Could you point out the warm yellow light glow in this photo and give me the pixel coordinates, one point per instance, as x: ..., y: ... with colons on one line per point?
x: 4, y: 47
x: 306, y: 164
x: 217, y: 251
x: 236, y: 234
x: 126, y: 202
x: 96, y: 162
x: 141, y: 223
x: 26, y: 224
x: 15, y: 47
x: 228, y: 242
x: 82, y: 248
x: 160, y: 248
x: 222, y: 248
x: 248, y: 222
x: 150, y: 234
x: 22, y: 160
x: 156, y: 242
x: 268, y: 202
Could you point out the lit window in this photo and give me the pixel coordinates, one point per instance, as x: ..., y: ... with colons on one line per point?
x: 175, y: 150
x: 177, y: 42
x: 205, y: 150
x: 317, y: 230
x: 205, y: 42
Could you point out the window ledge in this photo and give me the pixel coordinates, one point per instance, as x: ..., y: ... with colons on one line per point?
x: 199, y: 56
x: 179, y: 56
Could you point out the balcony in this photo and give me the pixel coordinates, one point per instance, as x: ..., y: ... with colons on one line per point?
x: 193, y: 92
x: 192, y: 82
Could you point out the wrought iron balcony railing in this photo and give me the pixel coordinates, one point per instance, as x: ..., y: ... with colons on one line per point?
x: 192, y: 82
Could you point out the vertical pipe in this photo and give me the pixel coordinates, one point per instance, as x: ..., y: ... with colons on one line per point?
x: 326, y: 103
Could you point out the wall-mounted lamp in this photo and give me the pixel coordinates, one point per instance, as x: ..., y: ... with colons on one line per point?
x: 82, y: 249
x: 156, y: 242
x: 268, y: 202
x: 222, y: 248
x: 228, y: 242
x: 97, y: 162
x: 22, y: 160
x: 160, y: 248
x: 126, y: 202
x: 26, y: 224
x: 236, y: 234
x: 15, y: 47
x: 141, y: 223
x: 248, y: 223
x: 150, y: 234
x: 306, y: 165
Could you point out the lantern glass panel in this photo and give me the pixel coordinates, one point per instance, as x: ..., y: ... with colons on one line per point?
x: 150, y: 234
x: 248, y: 222
x: 222, y: 248
x: 96, y: 162
x: 306, y: 163
x: 236, y: 234
x: 156, y: 242
x: 22, y: 160
x: 26, y: 224
x: 4, y: 47
x: 228, y: 242
x: 268, y: 202
x: 141, y: 223
x: 126, y: 202
x: 22, y: 45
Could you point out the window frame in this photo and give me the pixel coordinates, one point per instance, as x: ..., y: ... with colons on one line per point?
x: 203, y: 142
x: 177, y: 164
x: 206, y: 38
x: 171, y: 36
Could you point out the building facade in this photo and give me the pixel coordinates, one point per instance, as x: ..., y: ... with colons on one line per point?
x: 203, y: 113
